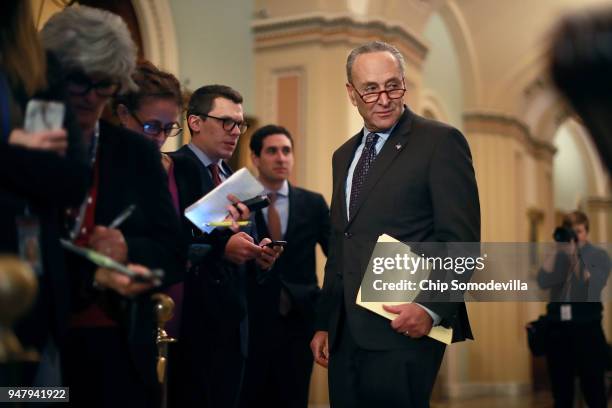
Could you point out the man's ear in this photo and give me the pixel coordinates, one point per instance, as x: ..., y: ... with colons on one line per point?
x: 351, y: 94
x: 123, y: 114
x: 255, y: 160
x: 194, y: 123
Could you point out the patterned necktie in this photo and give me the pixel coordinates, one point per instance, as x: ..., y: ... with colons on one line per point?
x: 216, y: 176
x: 274, y: 222
x: 368, y: 155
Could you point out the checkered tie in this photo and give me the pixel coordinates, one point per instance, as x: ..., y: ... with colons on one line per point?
x: 368, y: 155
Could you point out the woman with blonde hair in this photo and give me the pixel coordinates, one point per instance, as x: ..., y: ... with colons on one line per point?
x: 41, y: 173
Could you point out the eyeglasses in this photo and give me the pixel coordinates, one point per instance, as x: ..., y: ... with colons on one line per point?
x: 228, y: 123
x: 372, y: 97
x: 154, y: 127
x: 80, y: 84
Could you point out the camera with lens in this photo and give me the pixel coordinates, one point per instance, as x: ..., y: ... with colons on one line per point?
x: 564, y: 234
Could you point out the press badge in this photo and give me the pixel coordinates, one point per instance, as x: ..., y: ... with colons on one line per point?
x: 28, y: 235
x: 566, y: 313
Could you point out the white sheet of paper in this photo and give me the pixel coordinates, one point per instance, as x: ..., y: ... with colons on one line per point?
x: 212, y: 207
x: 440, y: 333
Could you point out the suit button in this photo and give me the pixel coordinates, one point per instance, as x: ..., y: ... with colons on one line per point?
x: 348, y: 235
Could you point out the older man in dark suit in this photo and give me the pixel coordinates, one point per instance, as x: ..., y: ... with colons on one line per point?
x: 413, y: 179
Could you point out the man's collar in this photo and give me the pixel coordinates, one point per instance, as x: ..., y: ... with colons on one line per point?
x: 203, y: 157
x: 283, y: 191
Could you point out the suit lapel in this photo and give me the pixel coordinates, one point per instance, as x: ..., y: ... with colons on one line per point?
x: 292, y: 212
x: 391, y: 149
x: 207, y: 183
x: 344, y: 158
x: 262, y: 227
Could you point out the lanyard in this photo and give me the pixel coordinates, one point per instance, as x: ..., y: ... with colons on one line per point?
x: 5, y: 113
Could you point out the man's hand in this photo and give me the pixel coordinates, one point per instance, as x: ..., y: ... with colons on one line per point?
x: 110, y: 242
x: 412, y: 321
x: 240, y: 248
x: 320, y: 348
x: 569, y: 248
x: 268, y: 255
x: 107, y: 278
x: 53, y: 140
x: 240, y: 214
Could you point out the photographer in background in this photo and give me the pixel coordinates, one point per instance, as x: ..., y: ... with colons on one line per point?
x: 575, y: 344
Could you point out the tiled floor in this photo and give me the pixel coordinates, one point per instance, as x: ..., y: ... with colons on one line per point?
x: 540, y: 400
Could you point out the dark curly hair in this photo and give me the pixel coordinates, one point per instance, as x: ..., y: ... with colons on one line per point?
x: 152, y: 82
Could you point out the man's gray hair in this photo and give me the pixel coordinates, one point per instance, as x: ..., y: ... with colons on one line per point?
x: 93, y: 41
x: 374, y: 46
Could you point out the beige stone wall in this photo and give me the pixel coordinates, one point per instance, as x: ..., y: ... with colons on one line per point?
x: 510, y: 117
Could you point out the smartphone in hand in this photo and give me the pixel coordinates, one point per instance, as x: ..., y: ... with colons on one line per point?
x: 276, y: 243
x: 43, y: 115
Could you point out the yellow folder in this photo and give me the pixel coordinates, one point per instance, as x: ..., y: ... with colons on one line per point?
x: 442, y: 334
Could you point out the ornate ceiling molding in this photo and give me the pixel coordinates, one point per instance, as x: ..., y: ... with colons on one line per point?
x: 335, y: 29
x: 497, y: 124
x: 158, y: 35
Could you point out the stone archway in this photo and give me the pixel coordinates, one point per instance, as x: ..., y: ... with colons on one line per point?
x: 158, y: 33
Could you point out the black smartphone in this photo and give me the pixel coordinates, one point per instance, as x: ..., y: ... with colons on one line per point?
x: 276, y: 243
x: 256, y: 203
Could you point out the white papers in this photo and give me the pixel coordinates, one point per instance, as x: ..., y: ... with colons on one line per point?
x: 212, y: 207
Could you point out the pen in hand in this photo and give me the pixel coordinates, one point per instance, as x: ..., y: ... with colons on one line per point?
x: 227, y: 223
x: 124, y: 215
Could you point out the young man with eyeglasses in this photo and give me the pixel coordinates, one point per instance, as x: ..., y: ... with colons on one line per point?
x: 411, y: 178
x: 215, y: 326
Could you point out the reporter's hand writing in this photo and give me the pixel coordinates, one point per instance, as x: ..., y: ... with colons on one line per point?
x: 110, y: 242
x: 124, y: 285
x: 52, y: 140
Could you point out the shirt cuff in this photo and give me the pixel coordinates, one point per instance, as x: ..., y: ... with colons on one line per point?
x: 434, y: 316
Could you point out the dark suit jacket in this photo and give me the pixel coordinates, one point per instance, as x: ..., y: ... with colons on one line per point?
x: 423, y: 190
x: 214, y: 301
x: 215, y: 321
x: 193, y: 182
x: 188, y: 182
x: 130, y: 172
x: 295, y: 269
